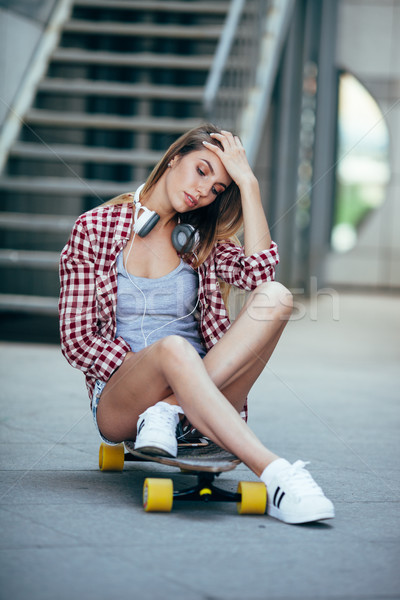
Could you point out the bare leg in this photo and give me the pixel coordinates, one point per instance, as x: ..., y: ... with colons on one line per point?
x: 174, y: 362
x: 173, y: 366
x: 238, y: 358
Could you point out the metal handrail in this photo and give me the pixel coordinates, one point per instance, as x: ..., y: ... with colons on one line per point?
x: 33, y: 74
x: 226, y: 40
x: 239, y: 87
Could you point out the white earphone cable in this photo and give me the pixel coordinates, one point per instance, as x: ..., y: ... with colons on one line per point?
x: 146, y: 337
x: 125, y: 264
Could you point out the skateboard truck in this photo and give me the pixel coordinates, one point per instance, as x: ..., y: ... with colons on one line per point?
x: 206, y: 491
x: 206, y: 463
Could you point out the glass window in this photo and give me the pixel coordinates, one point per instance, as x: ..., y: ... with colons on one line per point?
x: 362, y: 162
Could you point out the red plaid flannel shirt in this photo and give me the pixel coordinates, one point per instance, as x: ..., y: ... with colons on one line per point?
x: 88, y: 289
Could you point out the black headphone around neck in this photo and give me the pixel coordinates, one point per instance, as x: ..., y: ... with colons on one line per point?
x: 183, y: 235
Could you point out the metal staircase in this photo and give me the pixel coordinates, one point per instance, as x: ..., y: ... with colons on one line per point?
x: 122, y: 79
x: 126, y: 78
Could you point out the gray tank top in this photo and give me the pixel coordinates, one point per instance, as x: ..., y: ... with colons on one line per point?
x: 161, y: 300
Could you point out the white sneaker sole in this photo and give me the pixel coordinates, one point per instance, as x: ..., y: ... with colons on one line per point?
x: 276, y: 513
x: 155, y: 451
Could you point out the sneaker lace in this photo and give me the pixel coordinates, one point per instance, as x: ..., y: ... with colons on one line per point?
x: 300, y: 482
x: 161, y: 417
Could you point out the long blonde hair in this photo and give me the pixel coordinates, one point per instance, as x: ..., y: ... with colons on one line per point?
x: 221, y: 219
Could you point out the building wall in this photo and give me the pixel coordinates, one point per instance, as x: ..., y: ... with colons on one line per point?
x: 368, y: 46
x: 21, y: 25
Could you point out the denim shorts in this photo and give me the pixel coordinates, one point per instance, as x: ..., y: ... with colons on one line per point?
x: 98, y: 388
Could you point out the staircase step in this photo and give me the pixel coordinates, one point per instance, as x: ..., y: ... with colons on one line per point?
x: 147, y: 30
x: 44, y: 305
x: 36, y: 222
x: 29, y: 258
x: 101, y: 121
x: 85, y: 87
x: 67, y: 186
x: 145, y: 60
x: 220, y: 7
x: 38, y: 268
x: 93, y: 154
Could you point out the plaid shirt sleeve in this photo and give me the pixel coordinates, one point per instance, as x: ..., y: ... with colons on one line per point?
x: 229, y: 263
x: 245, y: 272
x: 81, y: 342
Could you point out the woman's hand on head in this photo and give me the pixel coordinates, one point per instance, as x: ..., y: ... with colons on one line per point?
x: 233, y: 157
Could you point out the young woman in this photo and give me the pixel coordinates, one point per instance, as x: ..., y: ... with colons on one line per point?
x: 128, y: 313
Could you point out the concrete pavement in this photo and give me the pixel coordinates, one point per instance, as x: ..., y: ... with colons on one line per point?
x: 330, y: 395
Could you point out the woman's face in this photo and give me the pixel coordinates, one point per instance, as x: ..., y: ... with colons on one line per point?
x: 195, y: 180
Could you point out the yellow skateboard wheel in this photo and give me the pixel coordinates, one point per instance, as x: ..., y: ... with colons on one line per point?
x: 253, y: 498
x: 158, y: 495
x: 111, y: 458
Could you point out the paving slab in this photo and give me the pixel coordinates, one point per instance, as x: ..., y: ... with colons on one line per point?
x: 330, y: 395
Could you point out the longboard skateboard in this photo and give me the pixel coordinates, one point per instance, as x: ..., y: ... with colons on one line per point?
x: 205, y: 460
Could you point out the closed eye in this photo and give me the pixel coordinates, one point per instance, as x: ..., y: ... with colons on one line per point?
x: 213, y: 189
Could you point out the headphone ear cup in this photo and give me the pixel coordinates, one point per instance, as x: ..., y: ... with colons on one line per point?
x: 145, y: 223
x: 183, y: 237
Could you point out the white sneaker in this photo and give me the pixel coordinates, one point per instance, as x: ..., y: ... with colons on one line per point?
x: 156, y: 429
x: 293, y: 495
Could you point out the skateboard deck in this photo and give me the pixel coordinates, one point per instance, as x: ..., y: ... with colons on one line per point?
x: 206, y: 458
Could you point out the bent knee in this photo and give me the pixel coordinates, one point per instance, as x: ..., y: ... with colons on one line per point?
x: 175, y: 348
x: 174, y: 343
x: 272, y: 300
